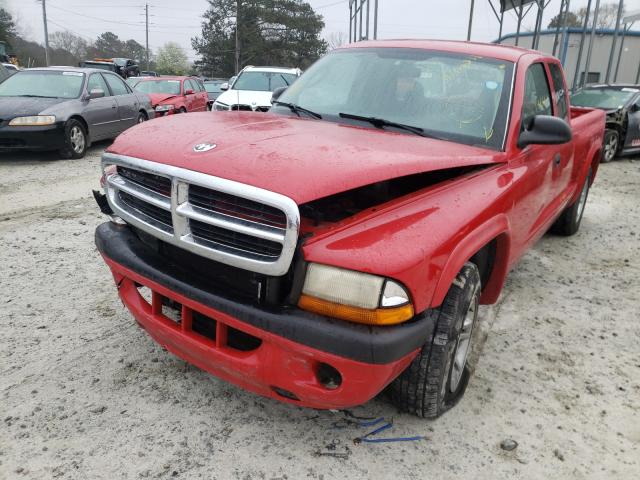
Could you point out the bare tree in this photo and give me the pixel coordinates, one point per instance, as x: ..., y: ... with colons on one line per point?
x: 337, y: 40
x: 70, y: 42
x: 606, y: 15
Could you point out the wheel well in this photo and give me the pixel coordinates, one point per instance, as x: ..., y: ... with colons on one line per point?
x: 82, y: 121
x: 142, y: 111
x: 484, y: 259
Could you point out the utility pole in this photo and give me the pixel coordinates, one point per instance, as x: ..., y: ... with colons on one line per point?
x: 237, y: 53
x: 146, y: 14
x: 470, y: 21
x: 46, y: 32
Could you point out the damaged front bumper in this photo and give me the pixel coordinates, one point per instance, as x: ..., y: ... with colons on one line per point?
x: 286, y: 353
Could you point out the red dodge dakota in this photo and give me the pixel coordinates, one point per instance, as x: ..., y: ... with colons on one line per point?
x: 340, y: 245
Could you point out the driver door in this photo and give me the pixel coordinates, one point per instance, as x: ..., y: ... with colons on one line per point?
x: 535, y: 166
x: 101, y: 113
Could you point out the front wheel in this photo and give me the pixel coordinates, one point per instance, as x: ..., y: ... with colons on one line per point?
x: 437, y: 378
x: 142, y: 117
x: 75, y: 140
x: 610, y: 145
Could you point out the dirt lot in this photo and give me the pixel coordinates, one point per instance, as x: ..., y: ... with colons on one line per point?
x: 84, y: 393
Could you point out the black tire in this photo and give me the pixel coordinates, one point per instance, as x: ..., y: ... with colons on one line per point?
x: 182, y: 110
x: 610, y: 145
x: 569, y: 220
x: 75, y: 140
x: 427, y: 388
x: 142, y: 117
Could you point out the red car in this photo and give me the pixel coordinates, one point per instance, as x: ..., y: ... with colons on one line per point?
x: 170, y: 95
x: 341, y: 243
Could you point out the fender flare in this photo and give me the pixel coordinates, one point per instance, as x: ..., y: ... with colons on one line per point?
x: 496, y: 227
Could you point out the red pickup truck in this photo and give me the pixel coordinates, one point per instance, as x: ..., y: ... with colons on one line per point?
x: 340, y: 244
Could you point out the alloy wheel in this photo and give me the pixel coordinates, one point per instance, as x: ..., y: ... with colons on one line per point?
x: 77, y: 139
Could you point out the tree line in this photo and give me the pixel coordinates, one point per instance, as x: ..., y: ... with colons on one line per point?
x: 67, y: 48
x: 607, y: 15
x: 235, y: 33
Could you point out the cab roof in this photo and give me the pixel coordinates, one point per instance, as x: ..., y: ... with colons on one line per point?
x: 490, y: 50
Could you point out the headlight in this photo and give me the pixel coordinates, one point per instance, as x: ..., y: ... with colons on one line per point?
x: 221, y: 106
x: 354, y: 296
x: 164, y: 108
x: 34, y: 121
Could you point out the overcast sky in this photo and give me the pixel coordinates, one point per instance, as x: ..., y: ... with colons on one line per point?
x: 179, y: 20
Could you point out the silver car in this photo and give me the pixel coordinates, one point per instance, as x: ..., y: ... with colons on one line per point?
x: 67, y: 108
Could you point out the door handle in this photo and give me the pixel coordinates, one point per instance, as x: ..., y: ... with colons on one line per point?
x: 557, y: 159
x: 114, y: 105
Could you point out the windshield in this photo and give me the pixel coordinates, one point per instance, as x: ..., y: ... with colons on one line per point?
x: 605, y: 98
x: 171, y: 87
x: 34, y: 83
x: 454, y: 97
x: 213, y: 87
x: 263, y: 81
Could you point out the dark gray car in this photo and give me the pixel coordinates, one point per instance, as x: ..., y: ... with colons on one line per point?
x: 67, y: 108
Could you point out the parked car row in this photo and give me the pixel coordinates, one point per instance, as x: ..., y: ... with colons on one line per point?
x: 66, y: 109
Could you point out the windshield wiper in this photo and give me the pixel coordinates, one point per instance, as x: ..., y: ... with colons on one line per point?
x: 381, y: 122
x: 297, y: 109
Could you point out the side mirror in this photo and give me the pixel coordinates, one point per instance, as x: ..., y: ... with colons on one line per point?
x: 224, y: 87
x: 96, y: 93
x: 545, y: 130
x: 188, y: 91
x: 635, y: 107
x: 276, y: 93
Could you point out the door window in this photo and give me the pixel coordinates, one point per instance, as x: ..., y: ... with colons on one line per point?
x: 558, y: 87
x: 96, y: 81
x: 188, y: 85
x: 537, y: 96
x: 118, y: 87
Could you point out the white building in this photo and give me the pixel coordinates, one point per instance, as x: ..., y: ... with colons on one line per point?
x: 569, y: 44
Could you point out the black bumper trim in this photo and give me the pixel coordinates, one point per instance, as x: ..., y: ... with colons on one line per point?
x: 375, y: 345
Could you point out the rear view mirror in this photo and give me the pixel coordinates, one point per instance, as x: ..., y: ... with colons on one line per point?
x: 545, y: 130
x: 96, y: 93
x: 224, y: 87
x: 276, y: 93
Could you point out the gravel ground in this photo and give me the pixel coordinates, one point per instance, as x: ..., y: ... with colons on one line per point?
x: 85, y: 393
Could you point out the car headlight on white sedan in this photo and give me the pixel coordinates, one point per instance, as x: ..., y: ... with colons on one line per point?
x: 164, y: 108
x: 220, y: 107
x: 33, y: 121
x: 355, y: 296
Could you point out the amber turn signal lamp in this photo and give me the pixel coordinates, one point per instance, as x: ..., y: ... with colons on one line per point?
x: 378, y: 316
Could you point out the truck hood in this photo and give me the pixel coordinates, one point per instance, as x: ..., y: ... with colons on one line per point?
x: 246, y: 97
x: 300, y: 158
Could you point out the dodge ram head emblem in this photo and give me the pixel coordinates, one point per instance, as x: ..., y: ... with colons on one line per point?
x: 204, y: 147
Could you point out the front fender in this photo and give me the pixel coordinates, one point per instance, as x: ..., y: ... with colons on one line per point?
x: 497, y: 229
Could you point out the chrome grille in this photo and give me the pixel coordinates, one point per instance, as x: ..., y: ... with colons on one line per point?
x: 234, y: 223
